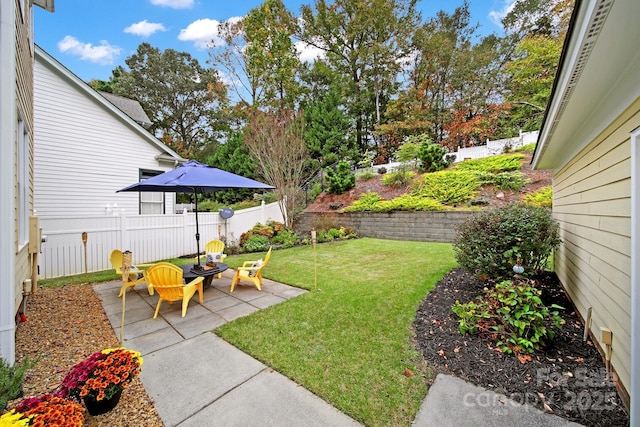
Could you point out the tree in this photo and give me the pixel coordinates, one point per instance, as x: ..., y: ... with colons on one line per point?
x: 327, y: 130
x: 233, y: 156
x: 276, y: 143
x: 362, y: 41
x: 531, y: 76
x: 180, y: 96
x: 108, y: 86
x: 272, y: 57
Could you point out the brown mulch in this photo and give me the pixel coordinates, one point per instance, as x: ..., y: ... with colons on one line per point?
x: 568, y: 379
x: 335, y: 202
x: 64, y: 326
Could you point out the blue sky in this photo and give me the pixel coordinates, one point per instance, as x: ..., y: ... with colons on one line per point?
x: 91, y: 38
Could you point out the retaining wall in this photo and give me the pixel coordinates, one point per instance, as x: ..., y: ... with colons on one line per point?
x: 420, y: 226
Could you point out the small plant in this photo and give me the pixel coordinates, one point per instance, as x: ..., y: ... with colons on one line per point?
x: 101, y: 375
x: 504, y: 180
x: 49, y: 410
x: 366, y: 202
x: 285, y: 239
x: 432, y: 157
x: 528, y: 147
x: 543, y: 198
x: 488, y: 243
x: 399, y: 178
x: 11, y: 377
x: 447, y: 187
x: 493, y: 164
x: 256, y: 243
x: 513, y: 315
x: 382, y: 170
x: 342, y: 179
x: 366, y: 175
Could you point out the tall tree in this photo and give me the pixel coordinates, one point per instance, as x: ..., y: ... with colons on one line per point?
x: 180, y: 96
x: 276, y: 143
x: 272, y: 57
x: 327, y: 130
x: 233, y: 156
x: 362, y: 41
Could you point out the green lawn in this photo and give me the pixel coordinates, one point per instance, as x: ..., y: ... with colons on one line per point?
x: 349, y: 342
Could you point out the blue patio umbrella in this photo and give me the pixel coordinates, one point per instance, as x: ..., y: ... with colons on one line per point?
x: 197, y: 178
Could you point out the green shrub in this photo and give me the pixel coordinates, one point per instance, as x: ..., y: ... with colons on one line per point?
x: 407, y: 202
x: 432, y: 157
x: 513, y: 315
x: 342, y: 179
x: 408, y: 151
x: 447, y: 187
x: 488, y: 243
x: 372, y: 202
x: 399, y: 178
x: 494, y: 164
x: 543, y: 198
x: 528, y: 147
x: 365, y: 175
x: 366, y: 202
x: 504, y: 180
x: 256, y: 243
x: 11, y: 377
x: 285, y: 239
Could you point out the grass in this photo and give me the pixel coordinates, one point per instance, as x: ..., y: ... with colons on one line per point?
x: 348, y: 342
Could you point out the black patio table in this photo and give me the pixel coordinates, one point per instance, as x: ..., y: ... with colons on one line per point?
x: 189, y: 272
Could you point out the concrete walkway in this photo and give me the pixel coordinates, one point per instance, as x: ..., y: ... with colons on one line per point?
x: 197, y: 379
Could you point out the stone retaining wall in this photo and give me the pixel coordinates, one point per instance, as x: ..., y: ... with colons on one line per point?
x: 421, y: 226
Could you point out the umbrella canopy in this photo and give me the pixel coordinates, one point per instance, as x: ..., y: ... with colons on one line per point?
x: 195, y: 177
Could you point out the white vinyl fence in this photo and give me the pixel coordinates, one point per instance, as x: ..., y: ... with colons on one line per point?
x: 148, y: 237
x: 493, y: 148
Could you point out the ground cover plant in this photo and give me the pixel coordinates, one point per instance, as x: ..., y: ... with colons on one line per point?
x: 349, y: 341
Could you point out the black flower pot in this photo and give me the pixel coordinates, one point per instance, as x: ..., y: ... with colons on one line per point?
x: 99, y: 407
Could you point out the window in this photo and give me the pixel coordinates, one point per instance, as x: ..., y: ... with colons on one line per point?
x: 150, y: 203
x: 23, y: 183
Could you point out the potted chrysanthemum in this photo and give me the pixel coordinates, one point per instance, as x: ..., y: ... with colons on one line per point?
x: 100, y: 379
x: 47, y: 410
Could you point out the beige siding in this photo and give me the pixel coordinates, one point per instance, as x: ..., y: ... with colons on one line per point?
x: 592, y: 203
x: 24, y: 98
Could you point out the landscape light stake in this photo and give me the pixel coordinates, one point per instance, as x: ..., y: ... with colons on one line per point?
x: 84, y: 242
x: 315, y: 264
x: 126, y: 265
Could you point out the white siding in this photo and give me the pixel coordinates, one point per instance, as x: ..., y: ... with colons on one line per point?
x: 84, y: 152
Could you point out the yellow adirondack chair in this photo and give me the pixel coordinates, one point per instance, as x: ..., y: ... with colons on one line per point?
x: 167, y: 282
x: 251, y: 271
x: 136, y: 272
x: 214, y: 246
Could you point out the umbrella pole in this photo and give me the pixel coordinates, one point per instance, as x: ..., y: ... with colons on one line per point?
x: 195, y: 192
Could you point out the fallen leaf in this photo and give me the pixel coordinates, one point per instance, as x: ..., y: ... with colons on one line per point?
x: 441, y: 352
x: 547, y: 408
x: 580, y: 359
x: 524, y: 358
x: 456, y: 350
x: 407, y: 372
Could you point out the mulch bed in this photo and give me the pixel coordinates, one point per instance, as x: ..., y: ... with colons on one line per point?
x: 568, y: 379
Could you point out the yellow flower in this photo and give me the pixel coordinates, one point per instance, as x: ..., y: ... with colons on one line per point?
x: 14, y: 419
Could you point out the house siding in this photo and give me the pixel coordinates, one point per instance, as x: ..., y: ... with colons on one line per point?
x: 24, y: 98
x: 592, y: 203
x: 84, y: 151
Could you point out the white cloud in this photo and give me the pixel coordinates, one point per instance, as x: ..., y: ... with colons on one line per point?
x: 308, y: 53
x: 204, y: 33
x: 104, y: 54
x: 144, y: 28
x: 496, y: 15
x: 173, y: 4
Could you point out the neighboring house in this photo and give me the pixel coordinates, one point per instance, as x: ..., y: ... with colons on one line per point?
x: 591, y: 139
x: 86, y: 148
x: 16, y: 160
